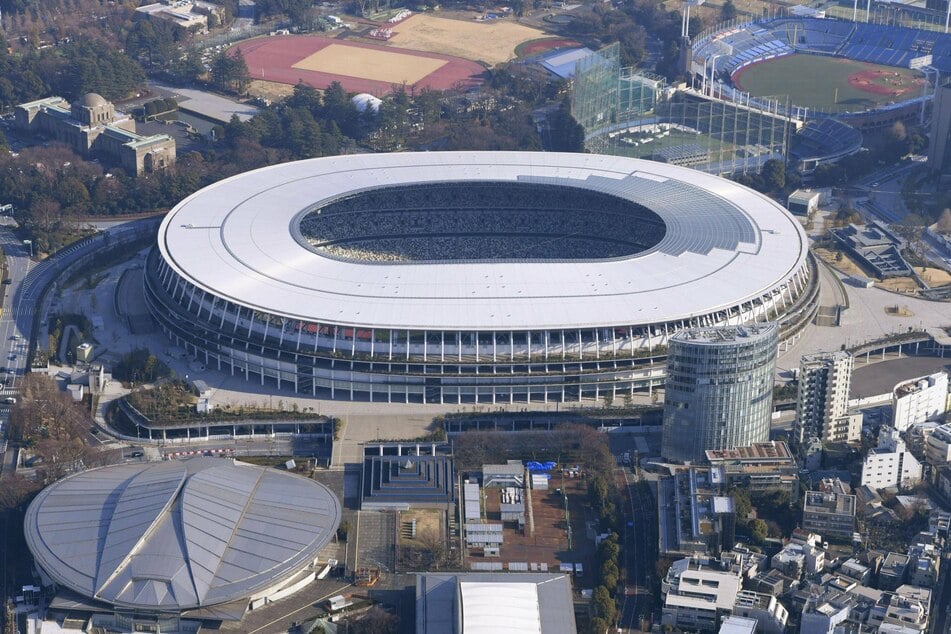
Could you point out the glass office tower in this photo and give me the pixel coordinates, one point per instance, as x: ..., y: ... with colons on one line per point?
x: 719, y: 390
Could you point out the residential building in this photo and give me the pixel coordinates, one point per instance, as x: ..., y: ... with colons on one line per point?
x: 924, y: 565
x: 939, y: 146
x: 698, y: 593
x: 894, y: 571
x: 938, y: 445
x: 719, y: 389
x: 822, y: 408
x: 854, y: 569
x: 907, y: 607
x: 890, y: 464
x: 797, y: 558
x: 825, y: 611
x: 761, y: 467
x: 738, y: 625
x: 919, y: 400
x: 770, y: 615
x: 942, y: 480
x: 829, y: 514
x: 92, y: 127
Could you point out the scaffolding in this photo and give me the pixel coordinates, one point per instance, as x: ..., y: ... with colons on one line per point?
x: 626, y: 112
x: 594, y: 94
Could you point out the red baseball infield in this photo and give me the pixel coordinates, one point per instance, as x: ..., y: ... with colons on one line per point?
x: 274, y: 59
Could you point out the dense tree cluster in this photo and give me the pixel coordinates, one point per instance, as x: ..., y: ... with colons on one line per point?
x: 140, y: 365
x: 229, y: 72
x: 70, y: 71
x: 631, y: 25
x: 47, y: 421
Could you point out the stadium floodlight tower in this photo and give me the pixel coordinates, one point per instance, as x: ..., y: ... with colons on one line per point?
x: 721, y: 50
x: 685, y: 17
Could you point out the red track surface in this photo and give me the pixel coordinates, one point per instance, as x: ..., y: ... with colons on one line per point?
x: 273, y: 58
x: 542, y: 45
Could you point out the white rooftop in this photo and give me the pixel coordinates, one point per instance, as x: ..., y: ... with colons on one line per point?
x: 497, y: 606
x: 177, y: 535
x: 724, y: 245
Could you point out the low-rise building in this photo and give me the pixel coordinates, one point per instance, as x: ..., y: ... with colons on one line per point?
x: 938, y: 445
x: 738, y: 625
x: 919, y: 400
x: 803, y: 202
x: 829, y: 514
x: 767, y: 466
x: 694, y: 513
x: 890, y: 464
x: 825, y: 611
x: 698, y: 593
x: 192, y: 15
x: 924, y: 565
x: 770, y: 615
x: 894, y: 571
x: 92, y: 127
x: 856, y: 570
x: 796, y: 559
x: 876, y: 247
x: 907, y: 607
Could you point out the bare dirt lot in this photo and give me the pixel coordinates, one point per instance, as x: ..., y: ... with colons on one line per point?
x: 843, y: 264
x: 549, y: 543
x: 367, y: 63
x: 936, y: 277
x: 491, y: 42
x: 270, y: 89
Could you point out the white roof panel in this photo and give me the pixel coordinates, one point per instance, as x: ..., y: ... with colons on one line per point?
x: 725, y: 244
x: 493, y: 607
x: 178, y: 535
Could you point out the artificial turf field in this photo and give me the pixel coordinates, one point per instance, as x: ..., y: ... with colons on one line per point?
x: 812, y: 80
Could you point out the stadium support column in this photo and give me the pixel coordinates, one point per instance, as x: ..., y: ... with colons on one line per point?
x: 868, y: 10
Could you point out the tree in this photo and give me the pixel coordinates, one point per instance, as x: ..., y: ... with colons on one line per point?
x: 774, y: 175
x: 230, y: 72
x: 728, y: 11
x: 567, y: 135
x: 759, y: 530
x: 603, y: 605
x: 742, y: 503
x: 376, y: 621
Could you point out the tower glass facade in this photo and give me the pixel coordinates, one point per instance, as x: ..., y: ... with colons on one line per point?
x: 719, y: 390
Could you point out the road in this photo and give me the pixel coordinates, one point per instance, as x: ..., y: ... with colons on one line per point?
x: 13, y: 338
x: 640, y: 546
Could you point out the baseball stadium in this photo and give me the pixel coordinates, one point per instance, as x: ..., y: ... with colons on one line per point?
x: 469, y: 277
x: 827, y: 67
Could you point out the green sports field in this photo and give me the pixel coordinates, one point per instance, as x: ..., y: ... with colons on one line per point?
x: 822, y: 82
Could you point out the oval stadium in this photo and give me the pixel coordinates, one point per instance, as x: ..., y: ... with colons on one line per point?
x: 464, y: 277
x: 142, y: 544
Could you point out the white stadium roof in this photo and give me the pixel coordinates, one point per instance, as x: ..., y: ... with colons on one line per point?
x: 178, y: 535
x: 724, y: 245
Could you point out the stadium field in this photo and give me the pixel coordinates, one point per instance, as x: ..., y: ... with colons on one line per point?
x: 830, y: 83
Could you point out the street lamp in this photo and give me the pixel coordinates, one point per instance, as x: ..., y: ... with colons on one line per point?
x: 29, y: 243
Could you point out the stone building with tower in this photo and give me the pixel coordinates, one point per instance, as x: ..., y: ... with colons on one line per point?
x: 92, y: 127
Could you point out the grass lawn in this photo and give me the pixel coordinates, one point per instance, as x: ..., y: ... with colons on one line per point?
x: 812, y: 81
